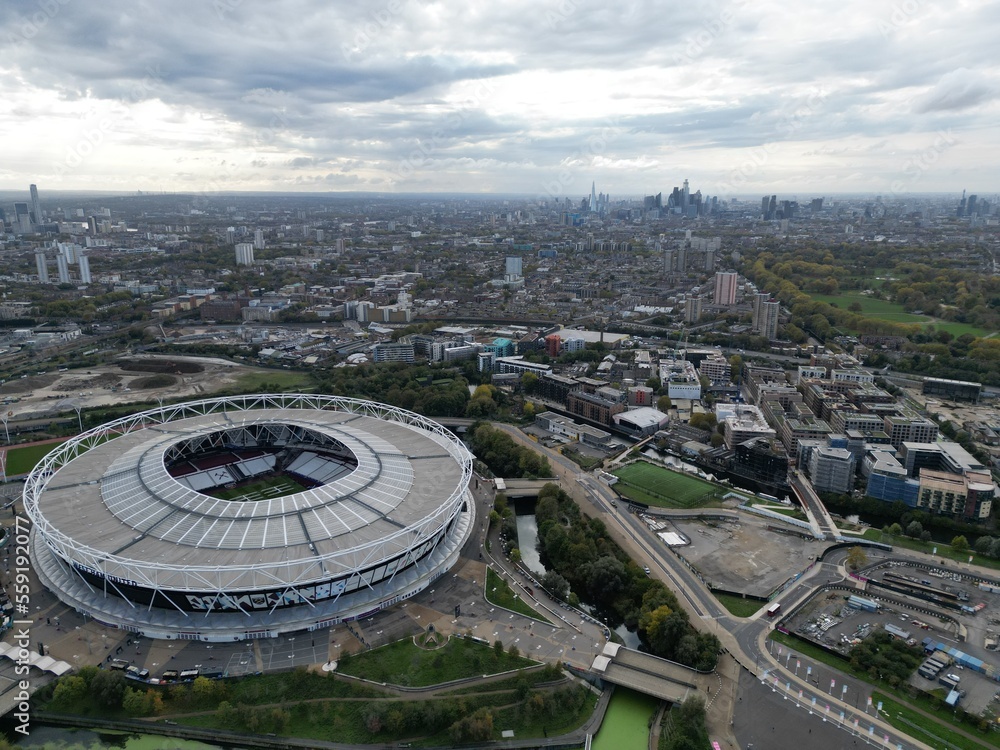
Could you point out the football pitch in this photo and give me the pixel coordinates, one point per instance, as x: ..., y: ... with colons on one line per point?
x: 261, y: 489
x: 664, y: 488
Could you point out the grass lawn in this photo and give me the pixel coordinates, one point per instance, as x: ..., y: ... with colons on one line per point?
x: 958, y: 329
x: 406, y: 664
x: 926, y: 729
x: 881, y: 309
x: 626, y: 724
x: 943, y: 550
x: 657, y: 486
x: 22, y: 460
x: 944, y: 718
x: 499, y: 592
x: 737, y: 605
x: 286, y: 381
x: 260, y: 490
x: 871, y: 308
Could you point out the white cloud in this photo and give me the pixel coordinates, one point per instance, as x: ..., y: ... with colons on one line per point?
x: 448, y: 95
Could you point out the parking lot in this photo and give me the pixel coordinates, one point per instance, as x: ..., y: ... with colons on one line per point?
x: 828, y: 619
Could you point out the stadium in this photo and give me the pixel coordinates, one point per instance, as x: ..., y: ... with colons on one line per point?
x: 247, y: 517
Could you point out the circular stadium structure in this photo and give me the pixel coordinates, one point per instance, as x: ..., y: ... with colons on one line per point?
x: 249, y: 516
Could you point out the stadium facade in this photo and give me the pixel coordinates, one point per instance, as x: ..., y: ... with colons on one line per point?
x: 250, y: 516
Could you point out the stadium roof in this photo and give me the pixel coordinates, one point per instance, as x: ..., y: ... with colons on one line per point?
x: 118, y: 503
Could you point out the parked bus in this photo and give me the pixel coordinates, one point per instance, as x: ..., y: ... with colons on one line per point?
x: 773, y: 609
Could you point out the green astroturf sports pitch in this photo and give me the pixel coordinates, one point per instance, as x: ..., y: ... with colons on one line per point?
x: 655, y: 485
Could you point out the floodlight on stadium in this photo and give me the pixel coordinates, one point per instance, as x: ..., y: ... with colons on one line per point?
x: 249, y: 516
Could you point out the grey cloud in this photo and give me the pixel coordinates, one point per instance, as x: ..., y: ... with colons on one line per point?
x: 956, y: 91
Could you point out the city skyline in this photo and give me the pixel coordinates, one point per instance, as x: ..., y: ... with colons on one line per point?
x: 535, y: 100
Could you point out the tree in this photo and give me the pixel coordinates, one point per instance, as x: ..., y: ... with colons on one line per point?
x: 135, y: 703
x: 735, y: 366
x: 664, y: 404
x: 108, y: 686
x: 556, y: 585
x: 702, y: 420
x: 960, y: 543
x: 895, y: 530
x: 69, y: 690
x: 914, y: 529
x: 856, y: 558
x: 984, y: 545
x: 515, y: 555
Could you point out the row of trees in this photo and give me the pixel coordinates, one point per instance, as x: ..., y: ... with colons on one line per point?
x: 503, y: 456
x: 684, y: 726
x: 431, y: 391
x: 580, y: 550
x: 884, y: 657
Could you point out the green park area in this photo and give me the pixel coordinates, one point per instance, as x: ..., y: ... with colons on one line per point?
x: 626, y: 723
x: 738, y: 605
x: 22, y: 460
x: 436, y: 659
x: 880, y: 309
x: 659, y: 487
x: 312, y: 705
x: 274, y: 381
x: 499, y: 592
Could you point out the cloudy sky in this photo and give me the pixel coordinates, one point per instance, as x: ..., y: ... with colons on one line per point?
x: 538, y: 97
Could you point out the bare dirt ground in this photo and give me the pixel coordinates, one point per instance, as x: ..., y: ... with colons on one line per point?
x: 39, y: 395
x: 745, y: 557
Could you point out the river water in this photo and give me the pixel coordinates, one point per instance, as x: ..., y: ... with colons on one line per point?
x: 65, y: 738
x: 527, y: 537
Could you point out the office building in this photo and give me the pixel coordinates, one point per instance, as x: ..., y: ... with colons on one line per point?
x: 741, y: 422
x: 244, y: 254
x: 968, y: 497
x: 831, y: 469
x: 393, y: 352
x: 593, y: 407
x: 942, y: 456
x: 909, y: 429
x: 725, y: 287
x: 952, y: 389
